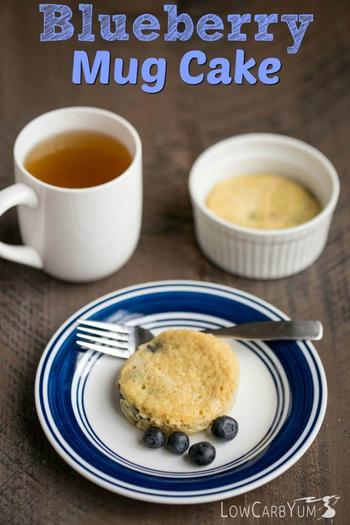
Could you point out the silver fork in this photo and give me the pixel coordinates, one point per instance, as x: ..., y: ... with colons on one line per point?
x: 121, y: 340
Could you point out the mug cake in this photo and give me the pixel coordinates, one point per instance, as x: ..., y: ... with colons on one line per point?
x: 263, y: 201
x: 272, y: 240
x: 179, y: 381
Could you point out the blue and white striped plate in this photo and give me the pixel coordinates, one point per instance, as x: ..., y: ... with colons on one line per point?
x: 280, y: 404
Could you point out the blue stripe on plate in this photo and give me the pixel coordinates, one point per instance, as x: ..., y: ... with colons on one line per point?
x: 257, y: 449
x: 293, y: 357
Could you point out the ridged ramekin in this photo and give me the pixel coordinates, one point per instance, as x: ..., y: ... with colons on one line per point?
x: 262, y: 254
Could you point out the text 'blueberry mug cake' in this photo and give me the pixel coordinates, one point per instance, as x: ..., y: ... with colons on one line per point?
x: 181, y: 380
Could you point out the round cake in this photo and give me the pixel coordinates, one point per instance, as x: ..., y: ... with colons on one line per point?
x: 265, y: 201
x: 181, y: 380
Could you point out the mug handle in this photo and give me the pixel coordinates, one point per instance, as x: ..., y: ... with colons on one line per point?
x: 15, y: 195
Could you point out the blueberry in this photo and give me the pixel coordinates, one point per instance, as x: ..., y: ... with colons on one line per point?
x: 178, y: 442
x: 154, y: 347
x: 202, y: 453
x: 154, y: 437
x: 224, y: 428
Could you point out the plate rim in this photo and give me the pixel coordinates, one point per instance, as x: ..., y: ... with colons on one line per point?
x: 168, y: 499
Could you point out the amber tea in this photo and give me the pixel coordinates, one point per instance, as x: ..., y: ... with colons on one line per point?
x: 78, y: 159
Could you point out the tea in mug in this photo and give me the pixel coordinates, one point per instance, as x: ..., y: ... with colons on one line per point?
x: 78, y: 159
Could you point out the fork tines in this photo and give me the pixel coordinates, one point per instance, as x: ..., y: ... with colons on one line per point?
x: 104, y: 337
x: 121, y: 329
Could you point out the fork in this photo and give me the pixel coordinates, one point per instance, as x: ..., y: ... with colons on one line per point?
x: 121, y: 340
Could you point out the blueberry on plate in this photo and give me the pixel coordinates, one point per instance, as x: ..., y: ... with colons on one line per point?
x: 202, y: 453
x: 178, y: 442
x: 154, y: 347
x: 154, y: 437
x: 224, y: 428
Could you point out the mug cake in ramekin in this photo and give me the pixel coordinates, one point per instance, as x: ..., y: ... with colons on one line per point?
x: 285, y: 238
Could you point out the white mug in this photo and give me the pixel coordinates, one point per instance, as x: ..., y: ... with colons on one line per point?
x: 77, y: 235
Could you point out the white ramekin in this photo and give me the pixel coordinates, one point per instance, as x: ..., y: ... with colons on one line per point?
x: 262, y: 254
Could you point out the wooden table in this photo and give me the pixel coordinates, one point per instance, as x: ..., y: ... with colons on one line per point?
x: 311, y: 102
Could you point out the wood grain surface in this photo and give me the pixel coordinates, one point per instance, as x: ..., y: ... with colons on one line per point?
x: 311, y: 102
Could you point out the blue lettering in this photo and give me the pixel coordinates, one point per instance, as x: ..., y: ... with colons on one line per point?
x: 157, y: 79
x: 81, y: 67
x: 220, y: 71
x: 185, y: 65
x: 56, y: 22
x: 130, y: 77
x: 210, y: 23
x: 242, y: 68
x: 146, y: 23
x: 119, y: 23
x: 173, y: 22
x: 236, y: 23
x: 268, y: 67
x: 263, y: 22
x: 86, y: 35
x: 297, y: 33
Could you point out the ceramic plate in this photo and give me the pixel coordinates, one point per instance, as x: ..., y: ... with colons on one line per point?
x: 280, y: 403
